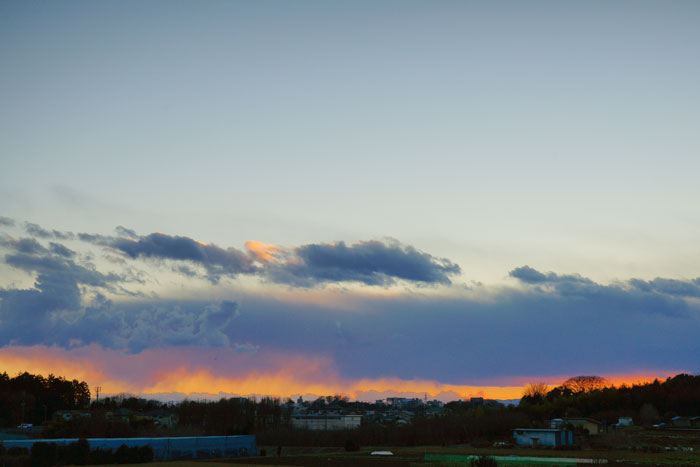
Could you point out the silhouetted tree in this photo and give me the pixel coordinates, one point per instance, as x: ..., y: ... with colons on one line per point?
x: 584, y: 383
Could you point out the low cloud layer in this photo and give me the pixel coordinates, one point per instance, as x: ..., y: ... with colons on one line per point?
x: 548, y: 323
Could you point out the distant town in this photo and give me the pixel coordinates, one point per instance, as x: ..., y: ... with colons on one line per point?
x: 584, y: 413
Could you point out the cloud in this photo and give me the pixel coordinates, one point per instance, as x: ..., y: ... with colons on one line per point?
x: 262, y: 251
x: 53, y: 313
x: 577, y: 325
x: 164, y: 324
x: 6, y: 221
x: 529, y: 275
x: 370, y: 262
x: 67, y: 307
x: 577, y: 284
x: 36, y: 230
x: 217, y: 261
x: 124, y: 232
x: 374, y: 262
x: 61, y: 250
x: 49, y: 266
x: 173, y: 373
x: 690, y: 288
x: 23, y: 245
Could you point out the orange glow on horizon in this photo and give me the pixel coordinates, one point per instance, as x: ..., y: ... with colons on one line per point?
x: 288, y: 375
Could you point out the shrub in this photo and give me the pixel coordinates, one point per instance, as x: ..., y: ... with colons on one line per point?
x: 17, y: 451
x: 125, y: 455
x: 484, y: 461
x: 78, y: 452
x: 352, y: 445
x: 145, y: 454
x: 101, y: 456
x: 43, y: 454
x: 133, y: 455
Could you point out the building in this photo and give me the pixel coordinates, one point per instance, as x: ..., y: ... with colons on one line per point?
x: 120, y: 414
x: 196, y: 447
x: 536, y: 437
x: 396, y: 402
x: 71, y: 414
x: 685, y: 422
x: 590, y: 426
x: 624, y: 421
x: 326, y: 422
x: 163, y: 418
x: 434, y: 412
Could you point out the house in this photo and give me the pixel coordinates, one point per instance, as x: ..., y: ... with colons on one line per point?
x: 163, y: 418
x: 536, y: 437
x: 396, y: 402
x: 397, y: 417
x: 71, y: 414
x: 685, y: 422
x: 588, y: 425
x: 326, y: 422
x: 119, y: 414
x: 435, y: 412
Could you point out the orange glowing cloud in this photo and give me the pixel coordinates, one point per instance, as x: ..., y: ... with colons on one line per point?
x: 262, y: 251
x: 180, y: 370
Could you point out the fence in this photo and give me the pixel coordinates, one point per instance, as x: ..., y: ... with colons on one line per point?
x: 195, y: 447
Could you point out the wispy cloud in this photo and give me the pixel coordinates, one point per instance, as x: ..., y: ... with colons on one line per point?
x: 36, y: 230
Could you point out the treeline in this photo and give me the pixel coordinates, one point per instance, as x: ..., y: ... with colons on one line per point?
x: 269, y: 418
x: 227, y: 416
x: 645, y: 403
x: 28, y: 398
x: 76, y: 453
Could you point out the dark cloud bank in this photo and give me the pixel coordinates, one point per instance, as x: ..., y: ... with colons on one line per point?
x: 54, y: 311
x: 545, y: 324
x: 370, y: 263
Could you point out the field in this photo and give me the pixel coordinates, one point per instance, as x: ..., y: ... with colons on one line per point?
x: 629, y: 447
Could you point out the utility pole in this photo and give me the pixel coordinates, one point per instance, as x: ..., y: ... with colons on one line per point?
x: 24, y: 399
x: 97, y: 393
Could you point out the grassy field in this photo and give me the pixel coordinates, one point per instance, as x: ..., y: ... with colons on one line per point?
x: 629, y: 447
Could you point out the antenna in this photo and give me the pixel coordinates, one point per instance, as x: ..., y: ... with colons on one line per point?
x: 97, y: 393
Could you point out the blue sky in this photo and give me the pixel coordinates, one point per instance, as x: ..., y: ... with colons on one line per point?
x: 416, y: 149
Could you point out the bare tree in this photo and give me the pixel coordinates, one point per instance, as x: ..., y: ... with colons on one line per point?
x: 585, y: 383
x: 536, y: 390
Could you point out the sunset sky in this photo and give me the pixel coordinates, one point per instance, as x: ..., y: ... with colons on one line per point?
x: 367, y: 197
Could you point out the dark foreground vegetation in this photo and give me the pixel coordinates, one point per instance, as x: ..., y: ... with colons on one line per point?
x: 63, y: 410
x: 76, y: 453
x: 33, y: 398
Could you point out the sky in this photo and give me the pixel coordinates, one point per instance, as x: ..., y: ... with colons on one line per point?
x: 371, y: 198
